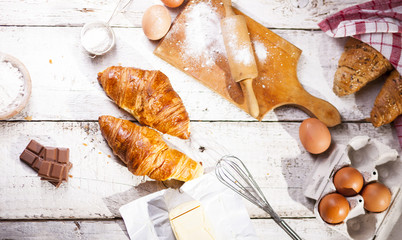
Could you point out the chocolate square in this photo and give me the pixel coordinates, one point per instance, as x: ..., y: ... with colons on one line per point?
x: 37, y: 164
x: 45, y: 168
x: 64, y: 155
x: 28, y: 157
x: 51, y: 154
x: 35, y: 147
x: 57, y: 171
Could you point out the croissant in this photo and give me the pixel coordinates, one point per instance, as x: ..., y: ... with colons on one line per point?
x: 388, y: 104
x: 144, y: 152
x: 148, y: 96
x: 358, y: 65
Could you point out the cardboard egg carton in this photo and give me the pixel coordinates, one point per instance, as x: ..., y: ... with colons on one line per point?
x: 376, y: 162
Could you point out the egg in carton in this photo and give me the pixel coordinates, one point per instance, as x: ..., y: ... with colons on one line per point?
x: 376, y: 162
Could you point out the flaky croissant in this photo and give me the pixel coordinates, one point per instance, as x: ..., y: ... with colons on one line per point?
x: 388, y: 104
x: 149, y: 97
x: 358, y: 65
x: 145, y: 153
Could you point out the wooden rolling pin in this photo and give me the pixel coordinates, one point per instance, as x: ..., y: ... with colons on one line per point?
x: 240, y: 54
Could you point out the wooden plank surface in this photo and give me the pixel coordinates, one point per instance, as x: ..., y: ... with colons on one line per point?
x: 67, y: 101
x: 100, y: 184
x: 115, y: 229
x: 276, y: 83
x: 302, y: 14
x: 67, y: 88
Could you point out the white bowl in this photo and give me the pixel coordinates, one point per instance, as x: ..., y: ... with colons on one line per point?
x: 27, y: 85
x: 105, y: 26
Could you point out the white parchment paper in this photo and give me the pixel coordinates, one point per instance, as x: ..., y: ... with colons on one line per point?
x: 147, y: 217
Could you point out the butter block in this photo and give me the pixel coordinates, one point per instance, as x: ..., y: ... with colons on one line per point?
x: 188, y: 221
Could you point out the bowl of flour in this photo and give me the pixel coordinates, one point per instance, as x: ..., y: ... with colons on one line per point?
x: 15, y: 86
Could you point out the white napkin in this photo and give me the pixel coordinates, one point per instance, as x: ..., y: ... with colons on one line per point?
x: 147, y: 217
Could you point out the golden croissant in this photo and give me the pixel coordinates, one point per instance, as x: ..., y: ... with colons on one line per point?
x: 388, y: 104
x: 145, y: 153
x: 358, y: 65
x: 149, y: 97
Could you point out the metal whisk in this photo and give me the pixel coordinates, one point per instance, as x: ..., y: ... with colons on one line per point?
x: 233, y: 173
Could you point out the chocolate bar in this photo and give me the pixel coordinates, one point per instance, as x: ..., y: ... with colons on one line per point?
x: 35, y: 147
x: 52, y: 164
x: 58, y: 172
x: 60, y: 155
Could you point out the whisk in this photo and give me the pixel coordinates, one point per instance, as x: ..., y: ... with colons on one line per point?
x: 233, y: 173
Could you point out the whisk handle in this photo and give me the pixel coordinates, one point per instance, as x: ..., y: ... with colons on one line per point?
x: 288, y: 230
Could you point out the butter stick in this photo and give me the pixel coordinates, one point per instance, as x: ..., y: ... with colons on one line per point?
x: 188, y: 221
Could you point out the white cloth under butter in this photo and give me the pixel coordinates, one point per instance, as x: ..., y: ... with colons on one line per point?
x: 147, y: 217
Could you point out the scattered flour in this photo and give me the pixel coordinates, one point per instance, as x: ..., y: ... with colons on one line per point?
x: 11, y: 86
x: 260, y: 51
x: 203, y: 36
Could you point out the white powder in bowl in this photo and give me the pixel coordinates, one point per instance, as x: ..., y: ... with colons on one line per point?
x: 97, y: 40
x: 11, y: 87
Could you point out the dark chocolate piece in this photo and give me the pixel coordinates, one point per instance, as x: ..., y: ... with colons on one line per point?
x: 60, y: 155
x: 50, y: 154
x: 57, y: 171
x: 45, y: 168
x: 64, y: 155
x: 35, y: 147
x: 38, y: 162
x: 28, y: 157
x: 63, y: 174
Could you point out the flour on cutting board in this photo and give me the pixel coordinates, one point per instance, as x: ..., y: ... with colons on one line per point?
x: 203, y: 36
x: 260, y: 51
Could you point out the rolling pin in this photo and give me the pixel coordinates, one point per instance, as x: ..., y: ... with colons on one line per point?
x: 240, y: 54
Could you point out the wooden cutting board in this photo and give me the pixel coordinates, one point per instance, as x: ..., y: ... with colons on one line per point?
x: 194, y: 45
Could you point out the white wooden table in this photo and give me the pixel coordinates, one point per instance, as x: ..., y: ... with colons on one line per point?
x: 67, y: 100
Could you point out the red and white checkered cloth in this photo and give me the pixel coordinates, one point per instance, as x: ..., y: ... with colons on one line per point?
x: 377, y: 23
x: 398, y: 127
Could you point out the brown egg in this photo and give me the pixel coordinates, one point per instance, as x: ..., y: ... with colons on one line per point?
x: 314, y: 135
x: 172, y: 3
x: 348, y: 181
x: 156, y: 22
x: 377, y: 197
x: 333, y: 208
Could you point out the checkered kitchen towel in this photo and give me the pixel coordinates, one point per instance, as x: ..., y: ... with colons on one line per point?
x: 377, y: 23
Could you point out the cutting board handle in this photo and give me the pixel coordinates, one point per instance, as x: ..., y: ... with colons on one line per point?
x: 247, y: 86
x: 319, y: 108
x: 228, y: 8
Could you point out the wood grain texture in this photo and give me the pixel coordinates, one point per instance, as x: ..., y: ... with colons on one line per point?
x: 100, y: 184
x: 276, y: 83
x: 67, y: 89
x: 110, y: 229
x: 303, y: 14
x: 67, y: 101
x: 115, y: 229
